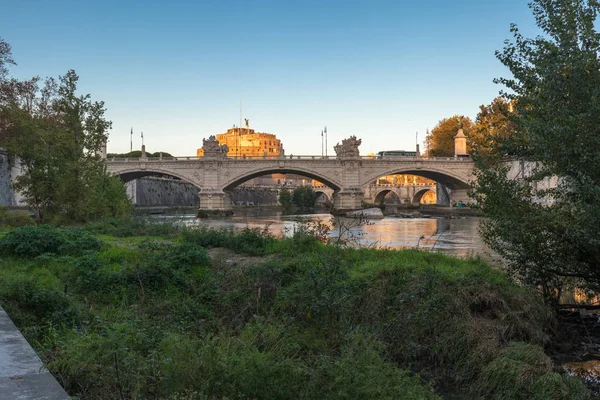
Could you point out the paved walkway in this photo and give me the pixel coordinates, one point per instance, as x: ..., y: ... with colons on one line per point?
x: 22, y: 374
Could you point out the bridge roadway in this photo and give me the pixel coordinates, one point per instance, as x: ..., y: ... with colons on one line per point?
x: 216, y: 174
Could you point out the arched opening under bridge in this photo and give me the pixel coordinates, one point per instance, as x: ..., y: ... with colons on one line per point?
x: 277, y: 180
x: 153, y: 188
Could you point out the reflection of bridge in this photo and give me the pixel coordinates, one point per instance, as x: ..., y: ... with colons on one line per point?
x: 349, y: 176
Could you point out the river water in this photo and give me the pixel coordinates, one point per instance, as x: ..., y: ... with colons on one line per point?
x: 452, y: 236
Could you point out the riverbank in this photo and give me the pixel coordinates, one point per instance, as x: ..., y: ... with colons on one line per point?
x: 142, y: 310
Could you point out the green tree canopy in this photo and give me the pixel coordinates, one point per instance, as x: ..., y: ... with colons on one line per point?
x: 495, y: 123
x: 304, y: 197
x: 549, y: 234
x: 285, y: 198
x: 440, y: 141
x: 57, y: 135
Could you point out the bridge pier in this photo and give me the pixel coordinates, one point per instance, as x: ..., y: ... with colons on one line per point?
x: 459, y: 196
x: 214, y: 202
x: 348, y: 199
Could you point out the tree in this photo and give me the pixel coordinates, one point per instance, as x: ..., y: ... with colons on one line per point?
x: 57, y: 136
x: 549, y: 235
x: 494, y: 123
x: 440, y: 141
x: 304, y: 197
x: 5, y: 58
x: 285, y: 198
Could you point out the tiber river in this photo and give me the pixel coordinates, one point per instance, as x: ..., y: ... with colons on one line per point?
x: 452, y: 236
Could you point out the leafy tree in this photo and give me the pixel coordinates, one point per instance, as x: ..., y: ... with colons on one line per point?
x: 57, y: 135
x: 285, y: 198
x: 304, y: 197
x: 440, y: 141
x: 494, y: 123
x: 5, y: 58
x: 549, y: 235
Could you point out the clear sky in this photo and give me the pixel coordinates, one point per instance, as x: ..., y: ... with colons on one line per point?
x: 177, y: 70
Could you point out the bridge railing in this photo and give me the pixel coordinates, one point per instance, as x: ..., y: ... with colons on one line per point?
x: 290, y: 157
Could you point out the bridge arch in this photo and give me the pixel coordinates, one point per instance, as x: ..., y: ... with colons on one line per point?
x: 246, y: 176
x: 132, y: 174
x: 323, y: 193
x: 416, y: 200
x: 450, y: 179
x: 381, y: 194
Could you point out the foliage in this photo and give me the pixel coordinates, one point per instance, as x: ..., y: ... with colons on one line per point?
x: 5, y: 58
x: 440, y: 141
x: 252, y: 241
x: 494, y: 123
x: 14, y: 218
x: 304, y: 197
x: 285, y: 198
x: 549, y: 235
x: 57, y: 136
x: 523, y: 371
x: 32, y: 241
x: 305, y: 321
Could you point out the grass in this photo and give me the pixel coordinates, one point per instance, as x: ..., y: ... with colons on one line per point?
x: 153, y: 316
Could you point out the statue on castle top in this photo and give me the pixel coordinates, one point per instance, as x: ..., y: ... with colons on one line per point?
x: 348, y: 148
x: 247, y: 123
x: 212, y: 148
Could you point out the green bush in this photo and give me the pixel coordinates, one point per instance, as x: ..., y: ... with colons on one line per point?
x: 523, y: 371
x: 32, y: 241
x: 13, y: 219
x: 132, y: 226
x: 35, y: 299
x: 251, y: 241
x: 207, y: 237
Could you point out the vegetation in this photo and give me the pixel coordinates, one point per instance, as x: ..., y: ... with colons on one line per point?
x: 304, y: 197
x: 138, y: 154
x: 57, y: 136
x: 157, y: 317
x: 285, y: 198
x: 440, y: 141
x: 14, y: 218
x: 548, y: 236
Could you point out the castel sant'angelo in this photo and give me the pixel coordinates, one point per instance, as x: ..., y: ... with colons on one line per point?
x: 245, y: 142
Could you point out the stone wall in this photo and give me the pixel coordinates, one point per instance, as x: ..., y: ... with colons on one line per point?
x: 151, y: 191
x: 9, y: 170
x: 154, y: 191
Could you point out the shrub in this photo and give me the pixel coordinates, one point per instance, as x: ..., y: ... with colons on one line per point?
x: 13, y: 219
x: 523, y: 371
x: 36, y: 299
x: 32, y: 241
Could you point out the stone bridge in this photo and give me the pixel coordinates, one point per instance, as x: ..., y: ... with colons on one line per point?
x: 348, y: 174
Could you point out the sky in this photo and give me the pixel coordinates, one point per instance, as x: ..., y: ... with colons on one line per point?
x: 178, y: 70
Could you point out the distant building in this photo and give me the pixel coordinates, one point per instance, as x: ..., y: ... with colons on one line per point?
x: 245, y: 142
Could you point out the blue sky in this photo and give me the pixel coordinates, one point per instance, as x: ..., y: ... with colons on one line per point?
x: 177, y: 70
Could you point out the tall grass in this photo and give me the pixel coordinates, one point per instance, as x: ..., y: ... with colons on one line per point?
x: 156, y: 317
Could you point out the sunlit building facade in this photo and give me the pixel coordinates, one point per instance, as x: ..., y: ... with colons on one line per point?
x: 245, y: 142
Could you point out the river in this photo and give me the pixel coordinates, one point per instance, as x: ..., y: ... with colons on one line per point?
x: 452, y: 236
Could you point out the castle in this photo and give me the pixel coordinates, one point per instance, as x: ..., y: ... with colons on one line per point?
x: 245, y: 142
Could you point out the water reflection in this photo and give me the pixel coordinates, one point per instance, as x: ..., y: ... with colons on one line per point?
x: 452, y: 236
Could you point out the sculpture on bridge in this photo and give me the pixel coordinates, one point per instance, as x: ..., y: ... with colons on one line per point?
x: 212, y: 149
x: 348, y: 148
